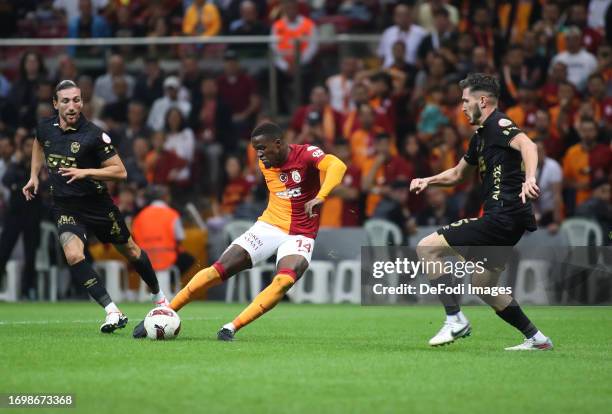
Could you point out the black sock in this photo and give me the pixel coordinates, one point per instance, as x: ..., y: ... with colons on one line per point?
x: 513, y: 314
x: 87, y: 277
x: 146, y: 272
x: 451, y: 305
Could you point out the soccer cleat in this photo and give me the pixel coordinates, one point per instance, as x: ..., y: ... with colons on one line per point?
x: 530, y: 344
x: 113, y: 321
x: 225, y: 334
x: 139, y: 331
x: 450, y: 331
x: 162, y: 303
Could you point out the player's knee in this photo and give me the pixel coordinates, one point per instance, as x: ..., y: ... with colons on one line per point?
x: 74, y: 256
x: 430, y: 247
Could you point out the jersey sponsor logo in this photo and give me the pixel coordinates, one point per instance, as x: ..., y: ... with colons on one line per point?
x: 316, y: 151
x: 57, y: 161
x: 63, y: 220
x: 504, y: 122
x: 106, y: 138
x: 497, y: 173
x: 283, y: 177
x: 47, y: 144
x: 75, y: 147
x: 291, y: 193
x: 296, y: 177
x: 252, y: 239
x: 108, y: 149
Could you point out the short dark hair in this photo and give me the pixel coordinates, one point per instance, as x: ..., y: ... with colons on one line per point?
x: 269, y: 130
x: 441, y: 11
x: 65, y: 84
x: 481, y: 82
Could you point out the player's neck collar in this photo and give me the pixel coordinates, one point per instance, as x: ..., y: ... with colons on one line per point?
x: 489, y: 118
x: 76, y: 126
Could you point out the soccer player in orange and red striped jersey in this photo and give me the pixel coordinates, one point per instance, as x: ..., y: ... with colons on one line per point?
x: 287, y: 227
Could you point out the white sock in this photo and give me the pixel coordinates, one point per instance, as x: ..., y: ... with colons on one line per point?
x: 111, y: 307
x: 539, y: 337
x: 230, y: 326
x: 457, y: 317
x: 157, y: 297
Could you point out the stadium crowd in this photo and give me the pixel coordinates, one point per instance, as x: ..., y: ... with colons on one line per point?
x: 392, y: 112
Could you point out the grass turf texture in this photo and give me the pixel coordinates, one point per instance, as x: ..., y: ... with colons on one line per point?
x: 310, y: 359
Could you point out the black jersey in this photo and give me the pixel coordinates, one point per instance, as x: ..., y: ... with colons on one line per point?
x: 84, y: 146
x: 501, y: 167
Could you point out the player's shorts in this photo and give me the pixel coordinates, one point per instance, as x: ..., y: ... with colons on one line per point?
x: 262, y: 240
x: 489, y: 237
x: 97, y: 214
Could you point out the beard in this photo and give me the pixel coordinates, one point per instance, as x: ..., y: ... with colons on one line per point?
x: 475, y: 115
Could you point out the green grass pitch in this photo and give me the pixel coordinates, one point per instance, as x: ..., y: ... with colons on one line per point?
x: 308, y: 359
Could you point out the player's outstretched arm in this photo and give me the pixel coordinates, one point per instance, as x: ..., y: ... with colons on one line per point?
x: 529, y: 152
x: 31, y: 188
x: 112, y: 170
x: 334, y: 172
x: 448, y: 178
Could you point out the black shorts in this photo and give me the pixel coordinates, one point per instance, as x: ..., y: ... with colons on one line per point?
x: 97, y: 214
x: 488, y: 238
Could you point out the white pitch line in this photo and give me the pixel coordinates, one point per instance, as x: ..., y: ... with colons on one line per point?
x: 45, y: 322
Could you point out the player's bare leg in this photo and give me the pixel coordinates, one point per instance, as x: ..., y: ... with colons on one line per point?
x: 234, y: 260
x: 82, y: 271
x: 509, y: 310
x: 140, y: 260
x: 288, y: 270
x: 433, y: 249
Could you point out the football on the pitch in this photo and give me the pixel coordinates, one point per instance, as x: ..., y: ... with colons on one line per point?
x: 162, y: 323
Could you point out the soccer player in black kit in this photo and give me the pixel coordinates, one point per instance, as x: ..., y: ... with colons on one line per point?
x: 499, y: 150
x: 79, y: 158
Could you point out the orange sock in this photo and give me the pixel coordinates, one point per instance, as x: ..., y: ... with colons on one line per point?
x: 266, y: 300
x: 201, y: 282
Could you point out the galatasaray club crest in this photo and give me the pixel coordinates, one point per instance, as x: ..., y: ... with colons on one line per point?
x: 295, y: 176
x: 283, y: 178
x: 75, y: 147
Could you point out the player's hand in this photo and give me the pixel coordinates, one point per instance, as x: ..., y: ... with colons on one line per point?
x: 530, y: 190
x: 73, y: 174
x: 310, y: 207
x: 30, y: 189
x: 417, y: 185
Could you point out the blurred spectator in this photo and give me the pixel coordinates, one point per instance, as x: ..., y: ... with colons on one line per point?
x: 514, y: 17
x: 514, y: 73
x: 23, y: 92
x: 87, y: 25
x: 171, y: 98
x: 382, y: 169
x: 392, y: 207
x: 343, y: 207
x: 72, y: 8
x: 548, y: 206
x: 438, y: 211
x: 543, y: 132
x: 5, y: 86
x: 578, y: 166
x: 249, y: 24
x: 411, y: 34
x: 87, y: 94
x: 577, y: 16
x: 383, y: 100
x: 597, y: 97
x: 180, y: 139
x: 66, y: 69
x: 159, y: 27
x: 158, y: 230
x: 429, y: 10
x: 7, y: 149
x: 434, y: 74
x: 103, y: 86
x: 135, y: 128
x: 115, y: 113
x: 535, y: 61
x: 191, y: 77
x: 432, y: 118
x: 362, y: 138
x: 124, y: 26
x: 597, y: 14
x: 330, y: 119
x: 580, y: 63
x: 549, y: 91
x: 402, y: 72
x: 524, y: 112
x: 150, y: 85
x: 136, y: 163
x: 599, y: 206
x: 562, y: 115
x: 236, y: 188
x: 239, y: 92
x: 202, y: 18
x: 290, y: 28
x: 162, y: 165
x: 485, y: 34
x: 443, y: 37
x: 340, y: 85
x: 21, y: 216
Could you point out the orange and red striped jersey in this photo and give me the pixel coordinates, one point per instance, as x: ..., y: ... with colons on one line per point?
x: 291, y: 186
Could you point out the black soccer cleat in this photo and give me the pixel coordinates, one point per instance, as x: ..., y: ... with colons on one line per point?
x: 139, y: 331
x: 114, y: 321
x: 225, y: 334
